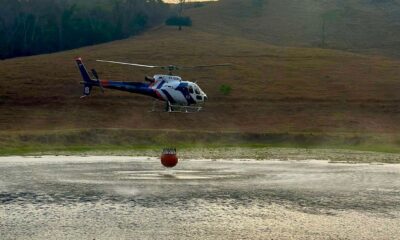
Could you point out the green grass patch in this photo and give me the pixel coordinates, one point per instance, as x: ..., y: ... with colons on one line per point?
x: 127, y: 141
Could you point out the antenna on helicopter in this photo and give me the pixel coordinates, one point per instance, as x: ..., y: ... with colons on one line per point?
x: 169, y: 68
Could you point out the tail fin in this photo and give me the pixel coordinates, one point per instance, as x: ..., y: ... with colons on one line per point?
x: 87, y: 81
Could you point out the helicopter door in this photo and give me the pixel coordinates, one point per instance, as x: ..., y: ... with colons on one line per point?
x: 195, y: 93
x: 192, y: 91
x: 198, y: 94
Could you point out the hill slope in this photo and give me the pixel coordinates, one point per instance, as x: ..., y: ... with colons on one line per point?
x: 358, y: 25
x: 275, y: 89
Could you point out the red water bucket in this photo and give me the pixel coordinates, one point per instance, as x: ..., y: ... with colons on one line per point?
x: 169, y: 158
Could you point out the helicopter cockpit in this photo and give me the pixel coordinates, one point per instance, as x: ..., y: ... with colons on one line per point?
x: 196, y: 92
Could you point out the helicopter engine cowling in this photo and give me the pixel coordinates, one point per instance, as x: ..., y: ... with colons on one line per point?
x: 149, y: 79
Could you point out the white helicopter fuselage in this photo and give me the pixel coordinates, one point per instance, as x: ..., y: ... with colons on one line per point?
x: 176, y: 91
x: 179, y: 95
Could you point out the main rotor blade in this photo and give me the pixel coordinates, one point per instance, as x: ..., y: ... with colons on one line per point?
x: 169, y: 68
x: 129, y: 64
x: 207, y: 66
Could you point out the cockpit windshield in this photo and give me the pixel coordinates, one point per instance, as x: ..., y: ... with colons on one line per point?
x: 196, y: 89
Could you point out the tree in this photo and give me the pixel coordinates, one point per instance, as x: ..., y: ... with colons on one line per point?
x: 179, y: 20
x: 180, y: 11
x: 30, y: 27
x: 258, y: 3
x: 327, y: 17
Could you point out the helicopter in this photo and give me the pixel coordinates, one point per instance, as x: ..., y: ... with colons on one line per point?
x: 178, y: 95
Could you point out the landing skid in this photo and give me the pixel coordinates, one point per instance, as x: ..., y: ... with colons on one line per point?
x: 159, y: 106
x: 184, y: 109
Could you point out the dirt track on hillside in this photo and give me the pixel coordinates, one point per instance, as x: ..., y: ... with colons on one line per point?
x: 135, y: 198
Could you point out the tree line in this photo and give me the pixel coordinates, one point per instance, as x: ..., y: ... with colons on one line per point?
x: 29, y: 27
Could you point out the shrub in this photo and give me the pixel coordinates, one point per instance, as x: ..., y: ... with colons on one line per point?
x: 225, y: 89
x: 179, y: 21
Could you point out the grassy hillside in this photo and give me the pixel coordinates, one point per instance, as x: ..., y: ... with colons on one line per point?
x: 275, y: 89
x: 286, y: 96
x: 367, y: 26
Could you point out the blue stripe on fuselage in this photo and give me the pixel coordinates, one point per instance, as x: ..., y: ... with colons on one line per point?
x: 133, y: 87
x: 170, y: 99
x: 161, y: 84
x: 185, y: 92
x: 181, y: 85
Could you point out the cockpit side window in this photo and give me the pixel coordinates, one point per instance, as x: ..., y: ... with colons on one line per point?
x: 197, y: 90
x: 191, y: 89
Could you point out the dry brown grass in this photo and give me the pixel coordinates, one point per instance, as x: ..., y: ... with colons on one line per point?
x: 275, y: 89
x: 360, y: 26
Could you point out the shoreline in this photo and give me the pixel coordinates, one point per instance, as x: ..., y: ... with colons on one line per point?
x: 236, y: 153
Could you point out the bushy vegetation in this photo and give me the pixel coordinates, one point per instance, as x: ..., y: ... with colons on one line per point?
x: 179, y: 21
x: 225, y: 89
x: 258, y: 3
x: 42, y: 26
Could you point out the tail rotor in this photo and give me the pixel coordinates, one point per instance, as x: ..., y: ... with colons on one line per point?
x: 88, y: 82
